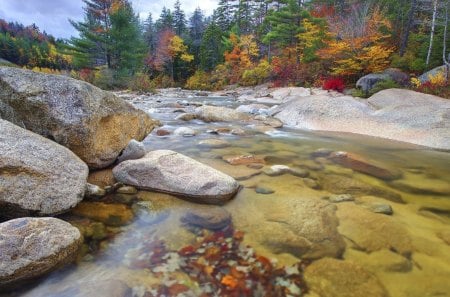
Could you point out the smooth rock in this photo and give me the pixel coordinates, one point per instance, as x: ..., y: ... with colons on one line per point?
x: 284, y: 94
x: 214, y: 143
x: 421, y: 184
x: 444, y: 235
x: 253, y: 108
x: 134, y: 150
x: 162, y: 132
x: 304, y: 227
x: 238, y: 131
x: 277, y: 170
x: 32, y: 247
x: 37, y: 175
x: 94, y: 124
x: 341, y: 198
x: 361, y: 164
x: 244, y: 159
x: 238, y: 172
x: 336, y: 278
x: 101, y: 178
x: 127, y: 190
x: 186, y: 117
x: 170, y: 172
x: 146, y: 212
x: 264, y: 190
x: 310, y: 183
x: 220, y: 114
x: 321, y: 152
x: 381, y: 208
x: 388, y: 261
x: 110, y: 214
x: 213, y: 218
x: 94, y: 191
x: 185, y: 132
x: 269, y: 121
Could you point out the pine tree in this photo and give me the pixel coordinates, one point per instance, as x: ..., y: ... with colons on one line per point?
x: 149, y: 33
x: 179, y: 19
x: 196, y: 30
x: 165, y: 21
x: 211, y: 51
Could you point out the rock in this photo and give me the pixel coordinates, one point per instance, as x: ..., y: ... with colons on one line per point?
x: 101, y: 178
x: 244, y: 159
x: 394, y: 114
x: 304, y: 227
x: 214, y: 143
x: 310, y: 183
x: 162, y: 132
x: 185, y: 132
x: 32, y: 247
x: 277, y: 170
x: 341, y: 198
x: 444, y: 235
x: 94, y: 288
x: 264, y: 190
x: 321, y: 152
x: 269, y: 121
x: 238, y: 131
x: 127, y: 190
x: 213, y: 218
x: 361, y: 164
x: 94, y: 191
x: 170, y: 172
x: 433, y: 72
x: 367, y: 82
x: 388, y: 261
x: 146, y: 212
x: 94, y: 124
x: 338, y: 184
x: 421, y: 184
x: 335, y: 278
x: 220, y: 114
x: 253, y: 108
x: 398, y: 76
x: 134, y: 150
x: 381, y: 208
x: 37, y: 175
x: 186, y: 117
x: 372, y: 232
x: 238, y: 172
x: 284, y: 94
x: 110, y: 214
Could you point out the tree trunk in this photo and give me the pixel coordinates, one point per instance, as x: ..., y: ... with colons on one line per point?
x: 433, y: 25
x: 445, y: 58
x: 408, y: 27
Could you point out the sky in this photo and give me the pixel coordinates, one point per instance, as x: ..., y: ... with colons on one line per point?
x: 52, y: 16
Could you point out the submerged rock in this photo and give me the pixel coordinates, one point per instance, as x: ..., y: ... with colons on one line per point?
x: 421, y: 184
x: 101, y: 178
x: 94, y: 192
x: 244, y: 159
x: 148, y: 213
x: 37, y: 175
x: 213, y: 217
x: 134, y: 150
x: 335, y: 278
x: 32, y: 247
x: 220, y: 114
x: 185, y: 131
x: 170, y: 172
x: 214, y: 143
x: 110, y: 214
x: 94, y: 124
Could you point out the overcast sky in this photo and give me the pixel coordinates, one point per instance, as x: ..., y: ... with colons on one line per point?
x: 52, y: 15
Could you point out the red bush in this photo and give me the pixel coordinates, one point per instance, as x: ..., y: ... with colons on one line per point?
x: 336, y: 84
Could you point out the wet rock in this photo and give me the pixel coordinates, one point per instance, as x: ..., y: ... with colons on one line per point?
x: 381, y: 208
x: 371, y: 232
x: 37, y: 175
x: 363, y: 165
x: 134, y: 150
x: 221, y: 130
x: 277, y: 170
x: 220, y: 114
x: 244, y: 159
x: 421, y: 184
x: 310, y: 164
x: 238, y: 131
x: 127, y: 190
x: 285, y: 94
x: 238, y: 172
x: 213, y: 218
x: 32, y: 247
x: 101, y: 178
x: 185, y: 132
x: 255, y: 166
x: 321, y: 152
x: 304, y: 227
x: 341, y: 198
x: 386, y: 260
x: 110, y: 214
x: 264, y: 190
x: 95, y: 288
x: 299, y: 172
x: 310, y: 183
x: 253, y: 108
x: 162, y: 132
x: 269, y: 121
x: 444, y: 235
x: 335, y: 278
x: 186, y: 117
x: 367, y: 82
x: 170, y: 172
x: 94, y: 192
x: 146, y: 212
x: 338, y: 184
x: 94, y: 124
x: 214, y: 143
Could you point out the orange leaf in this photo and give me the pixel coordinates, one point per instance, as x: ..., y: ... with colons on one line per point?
x: 229, y: 281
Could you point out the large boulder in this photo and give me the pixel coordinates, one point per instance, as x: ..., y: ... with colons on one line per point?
x: 170, y: 172
x: 96, y: 125
x: 220, y: 114
x: 32, y: 247
x: 395, y: 114
x: 433, y: 72
x: 37, y: 175
x: 367, y: 82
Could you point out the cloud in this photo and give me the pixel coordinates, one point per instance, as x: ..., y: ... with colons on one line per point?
x: 52, y: 16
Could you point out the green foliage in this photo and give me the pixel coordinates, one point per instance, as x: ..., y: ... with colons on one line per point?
x: 211, y: 49
x: 379, y: 86
x: 257, y: 75
x: 141, y: 82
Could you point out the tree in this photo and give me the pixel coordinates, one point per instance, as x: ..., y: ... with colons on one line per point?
x: 165, y: 21
x: 179, y: 19
x: 211, y: 49
x: 196, y: 31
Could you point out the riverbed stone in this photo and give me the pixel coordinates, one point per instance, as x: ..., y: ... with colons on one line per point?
x: 264, y: 190
x: 107, y: 213
x: 220, y: 114
x: 214, y: 143
x: 149, y: 213
x: 304, y: 227
x: 253, y: 108
x: 381, y: 208
x: 94, y: 124
x: 364, y: 165
x: 37, y: 175
x: 94, y: 192
x: 335, y: 278
x: 339, y: 184
x: 32, y: 247
x: 101, y: 178
x: 186, y: 117
x: 341, y: 198
x: 127, y: 190
x: 277, y: 170
x: 170, y: 172
x: 212, y: 217
x: 244, y: 159
x: 134, y: 150
x: 185, y: 132
x: 422, y: 184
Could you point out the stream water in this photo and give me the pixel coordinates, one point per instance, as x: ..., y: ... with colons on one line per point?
x: 260, y: 254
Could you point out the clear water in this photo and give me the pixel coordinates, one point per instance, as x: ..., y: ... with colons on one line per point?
x: 409, y: 251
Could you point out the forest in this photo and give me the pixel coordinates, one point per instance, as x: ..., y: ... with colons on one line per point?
x: 321, y: 43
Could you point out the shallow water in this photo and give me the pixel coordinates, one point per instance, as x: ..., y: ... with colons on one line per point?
x: 409, y: 251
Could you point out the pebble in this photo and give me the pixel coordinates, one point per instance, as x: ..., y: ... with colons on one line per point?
x: 264, y: 191
x: 185, y: 132
x: 127, y: 190
x: 381, y: 208
x: 341, y: 198
x: 310, y: 183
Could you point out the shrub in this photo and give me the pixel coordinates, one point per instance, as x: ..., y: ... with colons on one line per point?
x: 141, y: 82
x: 257, y: 75
x: 383, y: 85
x: 199, y: 81
x: 104, y: 79
x: 336, y: 84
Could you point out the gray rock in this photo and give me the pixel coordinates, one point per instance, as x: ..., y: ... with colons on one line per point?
x: 214, y: 143
x: 94, y: 192
x: 32, y: 247
x: 96, y: 125
x: 277, y: 170
x: 381, y: 208
x: 253, y: 108
x: 367, y: 82
x: 433, y: 72
x: 321, y: 152
x: 127, y: 190
x: 395, y: 114
x: 185, y: 132
x: 170, y: 172
x: 134, y: 150
x: 341, y: 198
x: 264, y: 190
x: 310, y: 183
x: 37, y: 176
x: 146, y: 212
x: 186, y: 117
x: 213, y: 218
x: 220, y: 114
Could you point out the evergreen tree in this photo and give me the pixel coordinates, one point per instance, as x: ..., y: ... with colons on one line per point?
x: 211, y: 51
x: 196, y: 31
x: 179, y: 19
x: 150, y: 34
x: 165, y: 21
